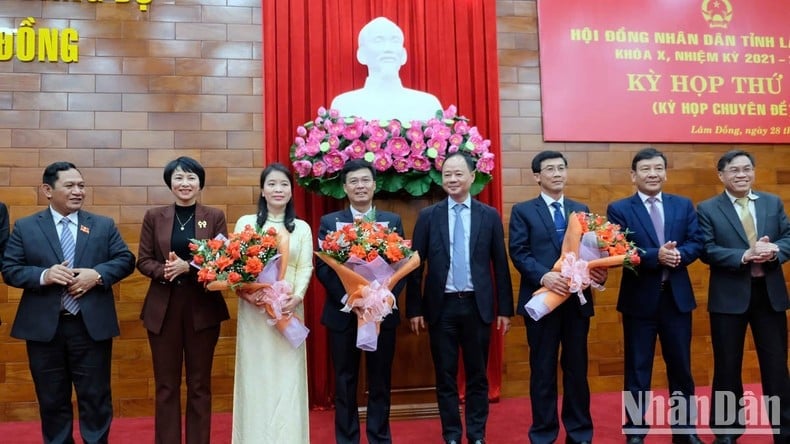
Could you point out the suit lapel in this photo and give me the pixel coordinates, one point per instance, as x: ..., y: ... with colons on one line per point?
x: 47, y: 225
x: 443, y: 222
x: 476, y: 220
x: 165, y: 226
x: 84, y: 227
x: 728, y: 210
x: 761, y: 210
x: 545, y: 216
x: 638, y: 207
x: 669, y: 215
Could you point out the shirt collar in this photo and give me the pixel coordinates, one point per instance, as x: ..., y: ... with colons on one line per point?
x: 644, y: 197
x: 751, y: 196
x: 468, y: 201
x: 355, y: 214
x: 57, y: 216
x: 549, y: 200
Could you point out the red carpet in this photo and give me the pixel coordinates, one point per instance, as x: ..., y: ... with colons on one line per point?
x: 508, y: 424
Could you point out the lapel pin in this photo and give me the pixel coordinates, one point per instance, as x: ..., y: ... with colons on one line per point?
x: 202, y: 224
x: 85, y: 229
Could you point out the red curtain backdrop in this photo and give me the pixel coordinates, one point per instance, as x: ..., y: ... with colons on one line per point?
x: 309, y: 57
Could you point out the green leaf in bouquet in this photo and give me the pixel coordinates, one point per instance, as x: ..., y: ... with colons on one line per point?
x: 390, y: 183
x: 419, y: 185
x: 480, y: 182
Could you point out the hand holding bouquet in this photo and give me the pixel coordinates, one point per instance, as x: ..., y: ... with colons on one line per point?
x: 369, y: 259
x: 252, y: 263
x: 590, y: 242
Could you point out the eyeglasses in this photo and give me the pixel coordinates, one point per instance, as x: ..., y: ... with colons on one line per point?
x: 649, y: 169
x: 551, y: 169
x: 736, y: 171
x: 363, y: 181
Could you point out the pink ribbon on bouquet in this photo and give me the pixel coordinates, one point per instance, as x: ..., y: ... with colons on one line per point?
x: 276, y: 297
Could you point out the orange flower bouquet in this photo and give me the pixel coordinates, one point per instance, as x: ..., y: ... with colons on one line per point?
x: 370, y: 259
x: 253, y: 261
x: 590, y: 241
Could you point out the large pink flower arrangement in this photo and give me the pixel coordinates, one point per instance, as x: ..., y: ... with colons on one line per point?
x: 407, y: 155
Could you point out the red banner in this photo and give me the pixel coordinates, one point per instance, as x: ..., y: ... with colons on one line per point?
x: 665, y: 70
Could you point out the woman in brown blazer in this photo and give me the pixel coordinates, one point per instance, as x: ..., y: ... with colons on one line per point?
x: 182, y: 318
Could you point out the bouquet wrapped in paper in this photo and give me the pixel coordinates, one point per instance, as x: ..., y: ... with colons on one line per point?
x: 590, y: 242
x: 369, y: 259
x: 254, y: 262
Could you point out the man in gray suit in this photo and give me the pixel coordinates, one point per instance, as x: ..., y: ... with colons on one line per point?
x: 746, y: 238
x: 67, y: 260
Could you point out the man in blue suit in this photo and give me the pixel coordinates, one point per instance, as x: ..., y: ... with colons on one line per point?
x: 67, y: 312
x: 535, y: 245
x: 746, y: 237
x: 466, y: 288
x: 656, y: 300
x: 359, y: 183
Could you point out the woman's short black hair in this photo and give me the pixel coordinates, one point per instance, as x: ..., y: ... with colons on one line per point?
x: 187, y: 165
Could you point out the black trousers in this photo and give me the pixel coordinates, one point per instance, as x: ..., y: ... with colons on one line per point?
x: 72, y: 358
x: 460, y: 327
x: 378, y: 367
x: 728, y: 332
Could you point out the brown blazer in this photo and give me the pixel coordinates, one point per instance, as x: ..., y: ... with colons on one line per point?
x: 209, y: 308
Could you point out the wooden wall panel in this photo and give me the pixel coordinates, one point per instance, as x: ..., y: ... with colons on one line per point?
x: 148, y: 87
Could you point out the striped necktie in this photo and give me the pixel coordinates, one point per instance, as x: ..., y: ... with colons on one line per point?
x: 68, y: 245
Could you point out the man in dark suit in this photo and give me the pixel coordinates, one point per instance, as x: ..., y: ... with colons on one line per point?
x: 467, y: 286
x: 3, y: 234
x: 66, y: 260
x: 359, y: 183
x: 535, y: 245
x: 746, y: 237
x: 656, y: 300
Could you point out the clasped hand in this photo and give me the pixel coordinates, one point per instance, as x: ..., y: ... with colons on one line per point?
x: 78, y: 281
x: 762, y: 251
x: 669, y: 255
x: 175, y: 266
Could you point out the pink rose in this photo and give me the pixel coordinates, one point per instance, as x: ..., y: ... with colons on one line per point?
x: 299, y: 141
x: 372, y: 145
x: 401, y: 164
x: 312, y: 148
x: 352, y: 132
x: 334, y: 161
x: 319, y: 168
x: 450, y: 112
x: 334, y: 142
x: 377, y: 133
x: 316, y: 134
x: 441, y: 131
x: 420, y: 163
x: 303, y: 168
x: 456, y: 139
x: 440, y: 145
x: 414, y: 133
x: 438, y: 162
x: 394, y: 127
x: 301, y: 131
x: 333, y: 113
x: 485, y: 164
x: 461, y: 127
x: 398, y: 146
x: 382, y: 161
x: 418, y: 147
x: 356, y: 150
x: 322, y: 111
x: 336, y: 128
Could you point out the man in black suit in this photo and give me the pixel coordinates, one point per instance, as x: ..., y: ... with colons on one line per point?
x: 359, y: 183
x: 657, y: 300
x: 3, y: 233
x: 535, y: 245
x: 66, y: 260
x: 467, y: 286
x: 746, y: 237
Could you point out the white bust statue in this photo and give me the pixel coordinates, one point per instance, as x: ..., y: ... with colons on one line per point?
x: 383, y: 97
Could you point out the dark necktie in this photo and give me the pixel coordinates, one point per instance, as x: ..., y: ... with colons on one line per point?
x: 655, y: 217
x: 68, y: 246
x: 559, y: 220
x: 459, y: 263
